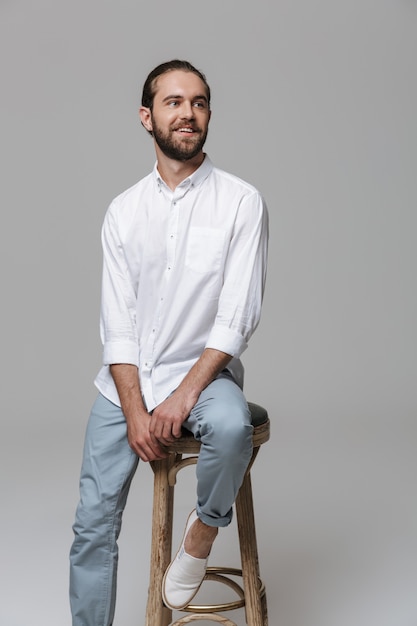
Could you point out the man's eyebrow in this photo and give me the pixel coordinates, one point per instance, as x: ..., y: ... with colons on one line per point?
x: 178, y: 97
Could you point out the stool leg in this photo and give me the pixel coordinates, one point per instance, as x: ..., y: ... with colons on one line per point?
x: 255, y: 602
x: 157, y: 614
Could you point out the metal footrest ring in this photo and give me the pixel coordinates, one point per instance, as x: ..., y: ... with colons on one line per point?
x: 220, y: 619
x: 209, y: 611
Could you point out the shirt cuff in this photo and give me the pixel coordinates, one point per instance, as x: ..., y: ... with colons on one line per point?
x: 226, y: 340
x: 120, y: 352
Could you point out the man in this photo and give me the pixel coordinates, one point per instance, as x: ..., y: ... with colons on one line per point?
x: 184, y: 266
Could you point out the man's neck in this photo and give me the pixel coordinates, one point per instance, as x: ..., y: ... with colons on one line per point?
x: 174, y: 172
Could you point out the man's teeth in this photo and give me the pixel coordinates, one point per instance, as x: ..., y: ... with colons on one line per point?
x: 185, y: 130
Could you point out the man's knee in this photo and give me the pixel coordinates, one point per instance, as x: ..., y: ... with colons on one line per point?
x: 229, y: 431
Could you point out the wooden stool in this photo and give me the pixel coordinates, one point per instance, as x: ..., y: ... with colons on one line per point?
x: 253, y: 594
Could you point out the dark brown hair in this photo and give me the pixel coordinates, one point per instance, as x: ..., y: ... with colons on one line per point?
x: 149, y: 89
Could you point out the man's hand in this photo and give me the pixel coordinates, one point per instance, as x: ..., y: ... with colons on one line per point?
x: 141, y: 440
x: 168, y: 417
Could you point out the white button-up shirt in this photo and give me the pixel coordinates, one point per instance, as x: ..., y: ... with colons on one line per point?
x: 183, y: 270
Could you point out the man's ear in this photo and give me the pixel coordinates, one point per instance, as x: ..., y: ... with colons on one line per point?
x: 145, y: 118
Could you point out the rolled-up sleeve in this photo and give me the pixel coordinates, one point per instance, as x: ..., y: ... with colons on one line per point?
x: 118, y: 329
x: 241, y: 297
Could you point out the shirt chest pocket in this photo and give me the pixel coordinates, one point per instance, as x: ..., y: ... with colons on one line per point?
x: 204, y: 251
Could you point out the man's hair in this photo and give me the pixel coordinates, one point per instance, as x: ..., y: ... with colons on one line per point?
x: 149, y: 88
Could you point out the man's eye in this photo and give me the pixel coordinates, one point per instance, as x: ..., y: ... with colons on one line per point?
x: 173, y: 103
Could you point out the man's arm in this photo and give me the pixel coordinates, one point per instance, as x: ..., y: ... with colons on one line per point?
x: 118, y: 329
x: 168, y: 417
x: 141, y: 440
x: 120, y: 342
x: 240, y: 301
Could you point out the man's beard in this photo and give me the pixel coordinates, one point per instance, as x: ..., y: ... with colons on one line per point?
x: 178, y: 150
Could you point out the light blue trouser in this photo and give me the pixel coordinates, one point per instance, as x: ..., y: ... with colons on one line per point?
x: 220, y: 420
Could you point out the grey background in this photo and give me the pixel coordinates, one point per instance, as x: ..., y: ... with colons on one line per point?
x: 315, y: 103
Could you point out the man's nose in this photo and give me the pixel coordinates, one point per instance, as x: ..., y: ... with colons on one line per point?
x: 187, y: 110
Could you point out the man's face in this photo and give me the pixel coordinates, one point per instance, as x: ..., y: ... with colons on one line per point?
x: 180, y: 115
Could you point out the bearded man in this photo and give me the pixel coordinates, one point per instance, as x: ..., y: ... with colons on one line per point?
x: 184, y: 267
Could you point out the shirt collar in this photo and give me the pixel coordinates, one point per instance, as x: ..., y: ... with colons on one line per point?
x: 195, y: 179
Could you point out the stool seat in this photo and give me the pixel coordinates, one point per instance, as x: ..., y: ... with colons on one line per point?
x: 183, y: 452
x: 259, y: 415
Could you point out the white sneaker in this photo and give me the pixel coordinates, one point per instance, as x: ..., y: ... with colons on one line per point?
x: 184, y: 575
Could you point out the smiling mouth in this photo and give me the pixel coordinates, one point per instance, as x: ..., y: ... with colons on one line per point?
x: 185, y: 129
